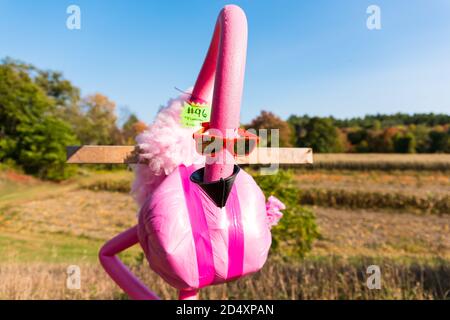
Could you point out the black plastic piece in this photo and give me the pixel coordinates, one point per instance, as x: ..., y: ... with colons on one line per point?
x: 217, y: 191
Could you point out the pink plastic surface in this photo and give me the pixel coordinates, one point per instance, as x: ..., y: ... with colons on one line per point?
x: 118, y: 271
x: 192, y: 243
x: 223, y: 70
x: 186, y: 238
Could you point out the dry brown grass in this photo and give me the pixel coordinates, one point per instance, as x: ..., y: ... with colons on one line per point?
x: 98, y: 216
x: 44, y: 232
x: 421, y: 192
x: 382, y: 161
x: 321, y: 279
x: 361, y: 199
x: 411, y: 182
x: 413, y: 191
x: 350, y: 233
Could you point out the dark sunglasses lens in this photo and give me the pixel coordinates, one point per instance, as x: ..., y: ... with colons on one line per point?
x: 199, y: 145
x: 251, y: 145
x: 210, y: 145
x: 244, y: 146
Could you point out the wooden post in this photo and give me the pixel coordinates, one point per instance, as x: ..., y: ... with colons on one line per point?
x: 130, y: 154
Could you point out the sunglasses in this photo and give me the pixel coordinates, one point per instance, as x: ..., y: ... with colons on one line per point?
x: 208, y: 144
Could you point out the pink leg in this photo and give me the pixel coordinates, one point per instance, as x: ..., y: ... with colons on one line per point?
x: 118, y: 271
x: 188, y: 295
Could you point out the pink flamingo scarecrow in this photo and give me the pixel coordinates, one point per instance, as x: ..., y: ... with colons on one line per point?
x: 199, y: 225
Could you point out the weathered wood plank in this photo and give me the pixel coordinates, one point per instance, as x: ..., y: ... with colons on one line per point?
x: 130, y: 154
x: 102, y: 154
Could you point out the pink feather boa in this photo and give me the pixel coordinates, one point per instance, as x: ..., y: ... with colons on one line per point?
x: 165, y: 145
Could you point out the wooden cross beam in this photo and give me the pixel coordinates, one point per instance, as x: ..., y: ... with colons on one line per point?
x: 130, y: 154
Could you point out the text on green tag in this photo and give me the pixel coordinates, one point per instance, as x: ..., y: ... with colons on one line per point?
x: 193, y: 115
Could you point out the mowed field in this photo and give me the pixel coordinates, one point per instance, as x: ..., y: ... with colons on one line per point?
x: 393, y: 216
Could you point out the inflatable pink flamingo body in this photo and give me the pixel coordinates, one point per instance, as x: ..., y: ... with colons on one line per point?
x: 192, y: 243
x: 203, y: 226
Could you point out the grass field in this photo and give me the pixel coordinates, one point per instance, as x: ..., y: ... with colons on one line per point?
x: 380, y: 161
x: 45, y: 227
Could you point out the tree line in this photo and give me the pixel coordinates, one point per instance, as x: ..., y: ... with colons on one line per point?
x: 41, y: 113
x: 397, y: 133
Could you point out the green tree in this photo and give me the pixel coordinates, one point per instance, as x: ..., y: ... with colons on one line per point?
x: 420, y: 133
x: 322, y: 136
x: 92, y: 119
x: 357, y: 138
x: 268, y: 120
x: 99, y: 122
x: 30, y: 134
x: 382, y: 141
x: 297, y: 229
x: 376, y: 125
x: 61, y: 90
x: 42, y: 149
x: 439, y: 141
x: 298, y: 124
x: 405, y: 143
x: 131, y: 128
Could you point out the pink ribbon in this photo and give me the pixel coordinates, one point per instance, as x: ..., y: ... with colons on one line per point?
x: 200, y: 231
x: 201, y: 236
x: 235, y: 236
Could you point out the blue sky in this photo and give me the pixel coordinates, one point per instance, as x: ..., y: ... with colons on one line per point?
x: 304, y: 57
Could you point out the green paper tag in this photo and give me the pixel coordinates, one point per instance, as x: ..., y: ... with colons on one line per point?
x: 193, y: 115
